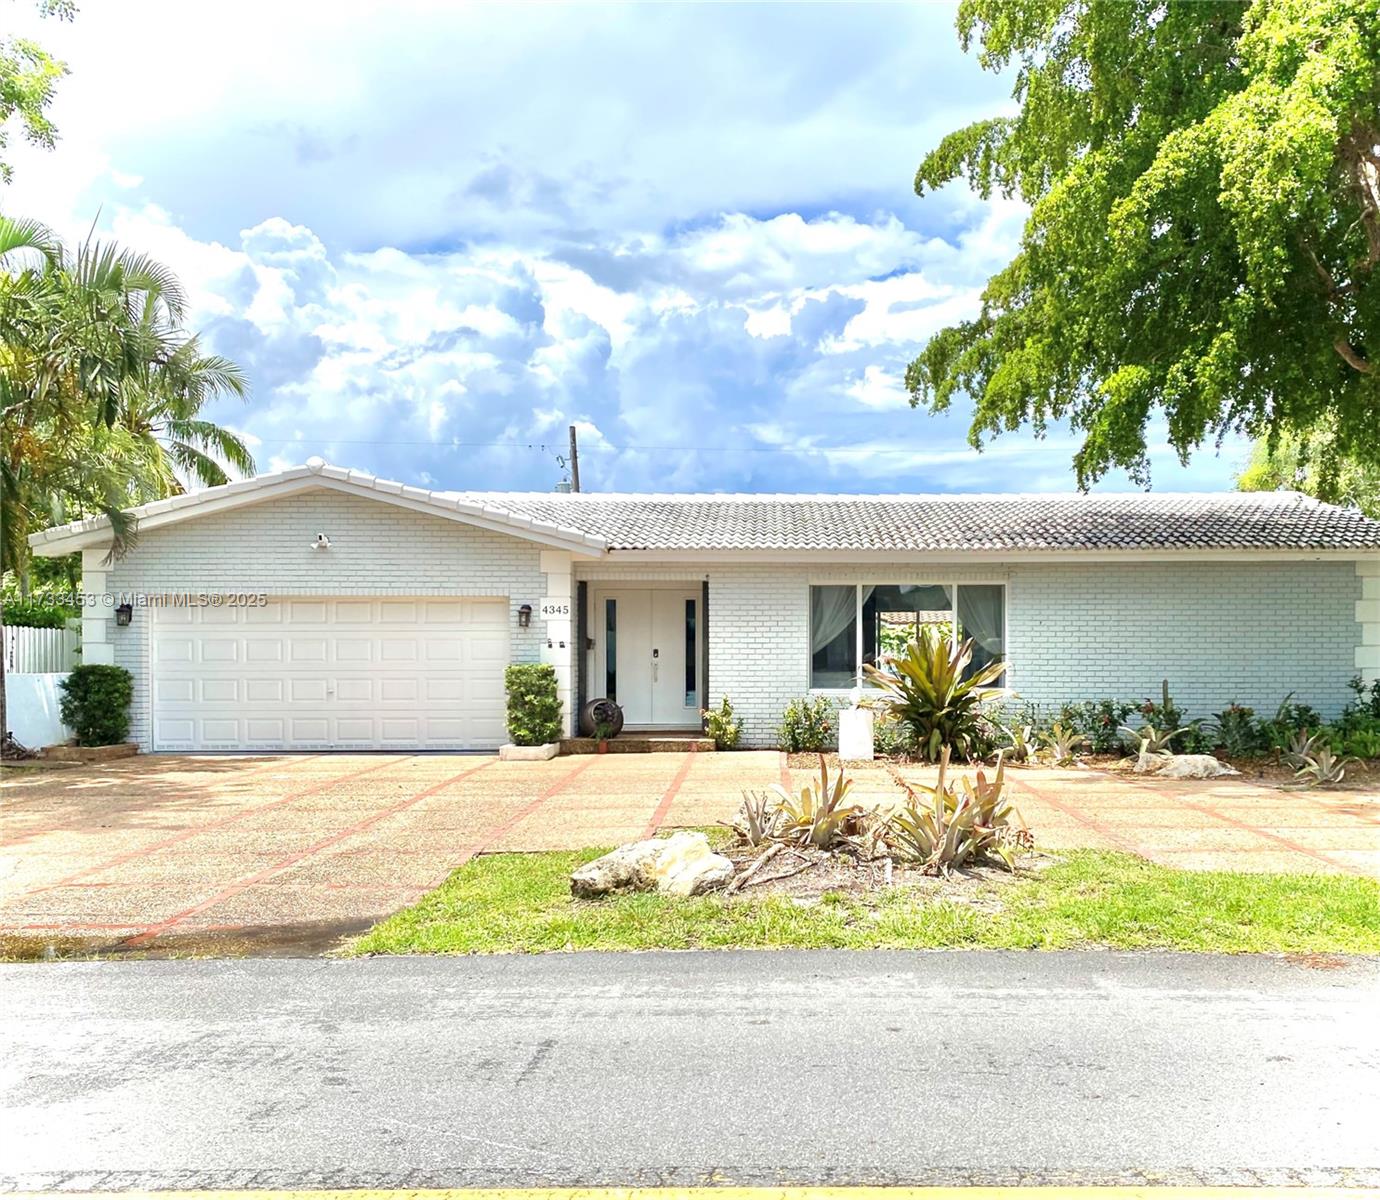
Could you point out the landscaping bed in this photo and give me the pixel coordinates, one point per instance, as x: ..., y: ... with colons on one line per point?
x: 521, y: 903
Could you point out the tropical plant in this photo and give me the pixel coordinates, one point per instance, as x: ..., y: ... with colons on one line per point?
x: 38, y: 610
x: 1358, y: 743
x: 1204, y: 230
x: 930, y: 690
x: 95, y: 703
x: 1311, y: 463
x: 1097, y: 721
x: 1062, y: 743
x: 807, y: 725
x: 1021, y: 743
x: 1322, y: 767
x: 1291, y: 719
x: 100, y: 389
x: 1301, y: 746
x: 722, y: 725
x: 759, y: 818
x: 891, y: 738
x: 1365, y: 700
x: 534, y: 708
x: 819, y: 814
x: 943, y: 827
x: 1237, y: 731
x: 1150, y: 740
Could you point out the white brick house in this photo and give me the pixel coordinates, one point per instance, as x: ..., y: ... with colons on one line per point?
x: 321, y: 608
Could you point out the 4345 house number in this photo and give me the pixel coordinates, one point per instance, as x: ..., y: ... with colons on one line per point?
x: 554, y: 610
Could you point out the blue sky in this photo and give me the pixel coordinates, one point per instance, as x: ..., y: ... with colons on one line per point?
x: 436, y: 235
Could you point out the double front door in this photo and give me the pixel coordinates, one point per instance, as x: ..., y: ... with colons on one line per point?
x: 646, y: 654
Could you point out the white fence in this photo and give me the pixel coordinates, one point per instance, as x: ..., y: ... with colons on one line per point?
x: 40, y: 651
x: 33, y: 710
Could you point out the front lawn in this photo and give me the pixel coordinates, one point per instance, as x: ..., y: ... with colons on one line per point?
x: 507, y: 903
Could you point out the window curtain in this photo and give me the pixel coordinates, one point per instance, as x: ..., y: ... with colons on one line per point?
x: 832, y: 610
x: 981, y: 616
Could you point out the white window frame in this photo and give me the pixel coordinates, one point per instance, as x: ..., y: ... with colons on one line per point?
x: 859, y: 680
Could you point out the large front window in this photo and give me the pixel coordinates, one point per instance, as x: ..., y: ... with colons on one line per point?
x: 863, y: 623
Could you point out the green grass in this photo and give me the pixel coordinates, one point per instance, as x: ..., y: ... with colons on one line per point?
x: 520, y: 903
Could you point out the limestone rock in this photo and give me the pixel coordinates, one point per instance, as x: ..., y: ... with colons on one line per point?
x: 1182, y: 766
x: 681, y: 865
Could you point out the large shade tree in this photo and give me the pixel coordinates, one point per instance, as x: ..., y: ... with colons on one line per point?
x: 1204, y: 235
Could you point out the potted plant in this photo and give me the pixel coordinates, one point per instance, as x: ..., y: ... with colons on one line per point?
x: 603, y: 730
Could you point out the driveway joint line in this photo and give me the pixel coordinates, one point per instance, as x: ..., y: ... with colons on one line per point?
x: 664, y: 806
x: 143, y: 851
x: 269, y: 872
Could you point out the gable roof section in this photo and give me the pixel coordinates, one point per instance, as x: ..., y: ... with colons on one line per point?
x: 594, y: 523
x: 958, y: 523
x: 313, y: 476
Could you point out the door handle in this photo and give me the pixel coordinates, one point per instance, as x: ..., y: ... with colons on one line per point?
x: 656, y: 663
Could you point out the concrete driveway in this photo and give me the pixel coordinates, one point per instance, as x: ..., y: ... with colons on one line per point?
x: 216, y: 854
x: 226, y: 854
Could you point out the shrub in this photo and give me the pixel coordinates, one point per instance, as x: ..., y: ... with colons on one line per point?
x: 925, y: 690
x: 891, y: 738
x: 1097, y: 721
x: 807, y: 725
x: 1291, y: 718
x: 534, y: 710
x: 36, y: 612
x: 1237, y: 730
x: 1062, y: 743
x: 721, y: 725
x: 95, y: 703
x: 1367, y: 700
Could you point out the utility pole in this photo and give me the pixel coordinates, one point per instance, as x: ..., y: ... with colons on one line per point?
x: 574, y: 462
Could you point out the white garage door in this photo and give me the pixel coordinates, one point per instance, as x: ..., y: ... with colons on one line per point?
x: 352, y: 673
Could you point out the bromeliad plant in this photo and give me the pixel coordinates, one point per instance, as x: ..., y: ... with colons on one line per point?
x: 1150, y: 740
x: 943, y: 827
x: 820, y: 813
x: 1322, y: 767
x: 925, y: 689
x: 759, y: 818
x: 1062, y: 743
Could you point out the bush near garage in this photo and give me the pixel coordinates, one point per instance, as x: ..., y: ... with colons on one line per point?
x: 534, y: 709
x: 95, y: 703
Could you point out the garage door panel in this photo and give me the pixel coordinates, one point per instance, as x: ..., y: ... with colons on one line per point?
x: 349, y: 673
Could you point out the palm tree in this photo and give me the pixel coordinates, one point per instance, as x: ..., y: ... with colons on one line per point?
x: 101, y: 391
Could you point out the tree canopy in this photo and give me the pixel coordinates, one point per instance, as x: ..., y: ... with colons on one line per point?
x: 1204, y: 235
x: 1307, y: 464
x: 101, y: 389
x: 28, y: 77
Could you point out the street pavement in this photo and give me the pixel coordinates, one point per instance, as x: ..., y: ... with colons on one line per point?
x: 682, y: 1069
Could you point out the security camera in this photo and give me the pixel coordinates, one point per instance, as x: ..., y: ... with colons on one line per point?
x: 322, y: 542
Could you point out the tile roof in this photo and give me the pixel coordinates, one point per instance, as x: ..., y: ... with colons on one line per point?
x: 941, y: 523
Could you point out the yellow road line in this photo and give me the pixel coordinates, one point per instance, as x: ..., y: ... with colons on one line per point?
x: 1042, y: 1192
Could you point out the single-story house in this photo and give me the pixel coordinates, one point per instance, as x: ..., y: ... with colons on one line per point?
x: 323, y: 608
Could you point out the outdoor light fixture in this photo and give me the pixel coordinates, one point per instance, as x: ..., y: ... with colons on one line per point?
x: 124, y: 614
x: 524, y: 616
x: 322, y: 542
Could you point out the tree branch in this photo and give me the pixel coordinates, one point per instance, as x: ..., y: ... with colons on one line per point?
x: 1352, y: 356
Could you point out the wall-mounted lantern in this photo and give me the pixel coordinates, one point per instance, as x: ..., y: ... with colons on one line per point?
x: 524, y: 616
x: 124, y: 614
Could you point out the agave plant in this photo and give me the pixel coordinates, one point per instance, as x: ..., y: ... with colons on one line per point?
x: 1301, y: 747
x: 759, y: 818
x: 943, y: 827
x: 1062, y: 743
x: 1322, y: 767
x: 925, y: 689
x: 819, y: 814
x: 1151, y: 740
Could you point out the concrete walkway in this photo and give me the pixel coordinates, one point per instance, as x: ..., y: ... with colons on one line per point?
x: 214, y: 853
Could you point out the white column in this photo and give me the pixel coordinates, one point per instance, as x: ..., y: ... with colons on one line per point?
x: 558, y: 644
x: 97, y: 614
x: 1368, y: 614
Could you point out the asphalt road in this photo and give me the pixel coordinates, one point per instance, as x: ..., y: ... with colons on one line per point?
x: 687, y: 1068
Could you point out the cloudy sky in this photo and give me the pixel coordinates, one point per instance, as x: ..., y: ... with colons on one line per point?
x: 435, y: 235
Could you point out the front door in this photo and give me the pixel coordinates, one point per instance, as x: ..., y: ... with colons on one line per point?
x: 647, y: 654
